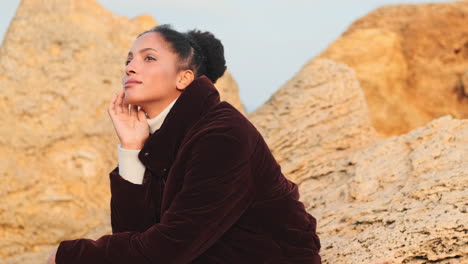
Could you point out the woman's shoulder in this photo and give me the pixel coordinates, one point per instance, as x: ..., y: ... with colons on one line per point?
x: 223, y: 113
x: 225, y: 119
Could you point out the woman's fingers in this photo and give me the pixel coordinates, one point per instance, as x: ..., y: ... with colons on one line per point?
x: 141, y: 115
x: 133, y: 111
x: 118, y: 104
x: 117, y: 107
x: 125, y: 106
x: 111, y: 108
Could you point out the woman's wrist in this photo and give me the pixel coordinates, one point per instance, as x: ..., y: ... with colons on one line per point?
x: 131, y: 146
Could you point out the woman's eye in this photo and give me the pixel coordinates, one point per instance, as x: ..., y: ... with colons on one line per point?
x: 146, y: 58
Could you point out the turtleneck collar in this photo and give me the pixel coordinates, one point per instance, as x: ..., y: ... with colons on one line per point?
x: 156, y: 122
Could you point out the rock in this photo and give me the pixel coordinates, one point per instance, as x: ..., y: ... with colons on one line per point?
x: 319, y: 116
x: 395, y: 200
x: 60, y: 63
x: 228, y: 91
x: 410, y: 60
x: 400, y: 200
x: 463, y: 84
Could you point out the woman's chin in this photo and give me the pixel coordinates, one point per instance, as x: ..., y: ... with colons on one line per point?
x: 128, y: 99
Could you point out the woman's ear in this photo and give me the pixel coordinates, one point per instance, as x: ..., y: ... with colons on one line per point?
x: 184, y: 79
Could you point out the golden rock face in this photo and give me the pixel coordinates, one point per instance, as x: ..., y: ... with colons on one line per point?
x: 318, y: 116
x: 410, y: 61
x: 401, y: 199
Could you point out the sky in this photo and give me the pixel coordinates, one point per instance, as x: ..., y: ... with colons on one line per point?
x: 266, y: 42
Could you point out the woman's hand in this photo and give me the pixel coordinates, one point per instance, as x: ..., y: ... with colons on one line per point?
x: 131, y: 126
x: 51, y: 258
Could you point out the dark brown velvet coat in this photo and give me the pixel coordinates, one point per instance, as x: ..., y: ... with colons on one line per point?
x: 212, y: 193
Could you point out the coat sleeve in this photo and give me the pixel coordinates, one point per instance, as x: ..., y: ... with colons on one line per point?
x: 131, y: 205
x: 217, y: 189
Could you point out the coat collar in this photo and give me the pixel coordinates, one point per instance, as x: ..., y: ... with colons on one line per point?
x: 156, y: 122
x: 160, y: 149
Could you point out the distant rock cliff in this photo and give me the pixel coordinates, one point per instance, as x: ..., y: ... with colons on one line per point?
x: 411, y: 61
x: 399, y: 200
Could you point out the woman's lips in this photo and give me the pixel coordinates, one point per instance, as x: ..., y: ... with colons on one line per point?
x: 130, y: 83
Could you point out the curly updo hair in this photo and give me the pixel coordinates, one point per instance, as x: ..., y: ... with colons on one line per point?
x: 198, y: 51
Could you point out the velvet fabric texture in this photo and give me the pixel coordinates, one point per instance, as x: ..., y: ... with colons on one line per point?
x: 212, y: 193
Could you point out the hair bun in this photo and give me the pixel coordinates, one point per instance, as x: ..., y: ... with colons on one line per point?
x: 213, y: 51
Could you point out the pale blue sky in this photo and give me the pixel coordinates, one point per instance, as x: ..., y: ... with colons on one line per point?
x: 266, y: 42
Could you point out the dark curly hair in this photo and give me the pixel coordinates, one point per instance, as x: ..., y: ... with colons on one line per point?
x: 198, y: 51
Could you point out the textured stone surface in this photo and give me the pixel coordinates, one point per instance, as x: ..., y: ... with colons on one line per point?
x: 228, y: 91
x: 402, y: 199
x: 410, y: 61
x: 319, y: 116
x: 60, y: 63
x: 399, y: 200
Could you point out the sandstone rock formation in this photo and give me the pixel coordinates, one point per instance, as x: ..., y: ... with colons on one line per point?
x: 410, y: 61
x: 316, y: 118
x: 399, y: 200
x: 228, y: 90
x: 60, y: 63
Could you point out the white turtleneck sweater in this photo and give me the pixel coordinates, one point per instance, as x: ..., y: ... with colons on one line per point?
x: 130, y: 167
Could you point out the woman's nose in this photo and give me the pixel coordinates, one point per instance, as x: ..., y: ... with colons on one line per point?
x: 130, y: 68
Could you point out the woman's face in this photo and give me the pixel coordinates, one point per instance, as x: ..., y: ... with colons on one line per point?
x: 151, y: 74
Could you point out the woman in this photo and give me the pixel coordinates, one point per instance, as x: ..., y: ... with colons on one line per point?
x: 196, y: 182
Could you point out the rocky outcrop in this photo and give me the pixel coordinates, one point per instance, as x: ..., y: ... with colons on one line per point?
x: 60, y: 63
x: 410, y: 61
x: 228, y: 90
x: 318, y: 117
x: 401, y: 200
x: 397, y: 200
